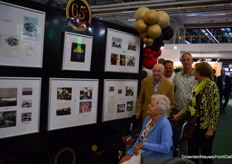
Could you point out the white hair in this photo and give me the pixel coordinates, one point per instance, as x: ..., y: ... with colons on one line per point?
x: 163, y: 103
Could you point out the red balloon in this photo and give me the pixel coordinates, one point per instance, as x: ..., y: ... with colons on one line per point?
x: 148, y: 50
x: 149, y: 63
x: 156, y: 54
x: 145, y: 54
x: 159, y: 52
x: 150, y: 56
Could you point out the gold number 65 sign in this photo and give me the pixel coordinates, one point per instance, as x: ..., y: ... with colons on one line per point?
x: 79, y: 12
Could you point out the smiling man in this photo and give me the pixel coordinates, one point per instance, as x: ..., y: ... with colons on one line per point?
x: 156, y: 84
x: 169, y: 70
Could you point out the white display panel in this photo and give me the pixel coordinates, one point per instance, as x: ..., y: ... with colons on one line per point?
x: 72, y: 102
x: 119, y: 99
x: 77, y: 52
x: 19, y: 106
x: 21, y: 36
x: 122, y: 52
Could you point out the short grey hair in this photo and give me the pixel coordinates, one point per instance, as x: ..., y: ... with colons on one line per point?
x: 186, y: 53
x: 163, y: 103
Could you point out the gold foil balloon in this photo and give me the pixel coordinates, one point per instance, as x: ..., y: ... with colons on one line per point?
x: 145, y: 40
x: 150, y: 41
x: 141, y: 26
x: 143, y: 35
x: 163, y: 19
x: 139, y: 13
x: 151, y: 17
x: 154, y: 31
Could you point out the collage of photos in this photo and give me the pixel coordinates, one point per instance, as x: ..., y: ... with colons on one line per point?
x: 122, y: 52
x: 9, y: 100
x: 19, y: 105
x: 21, y: 36
x: 73, y: 102
x: 120, y: 97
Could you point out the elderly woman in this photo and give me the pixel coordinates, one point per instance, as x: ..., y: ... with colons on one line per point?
x: 203, y: 109
x: 155, y: 139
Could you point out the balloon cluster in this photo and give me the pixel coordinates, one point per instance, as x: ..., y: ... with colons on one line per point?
x: 153, y: 27
x: 150, y: 57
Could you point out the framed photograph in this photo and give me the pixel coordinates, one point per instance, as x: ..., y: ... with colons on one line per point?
x: 77, y: 52
x: 19, y: 106
x: 122, y: 52
x: 119, y: 99
x: 21, y: 36
x: 72, y: 102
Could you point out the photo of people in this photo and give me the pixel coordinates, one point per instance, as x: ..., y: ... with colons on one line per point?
x: 129, y: 91
x: 26, y: 103
x: 122, y: 60
x: 27, y: 91
x: 25, y: 117
x: 131, y: 46
x: 119, y: 91
x: 120, y: 108
x: 64, y: 93
x: 7, y: 119
x: 78, y: 52
x: 85, y: 107
x: 8, y: 97
x: 130, y: 61
x: 63, y: 111
x: 86, y: 93
x: 129, y: 105
x: 116, y: 42
x: 111, y: 89
x: 114, y: 59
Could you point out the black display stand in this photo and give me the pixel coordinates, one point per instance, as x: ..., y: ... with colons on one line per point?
x: 82, y: 137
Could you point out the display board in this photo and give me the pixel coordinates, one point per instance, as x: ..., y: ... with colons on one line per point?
x: 72, y: 102
x: 119, y: 99
x: 77, y: 52
x: 21, y: 36
x: 19, y: 106
x: 122, y: 52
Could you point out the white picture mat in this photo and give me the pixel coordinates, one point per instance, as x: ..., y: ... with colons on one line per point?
x: 27, y: 51
x: 75, y: 118
x: 122, y: 50
x: 71, y: 63
x: 22, y: 126
x: 116, y: 96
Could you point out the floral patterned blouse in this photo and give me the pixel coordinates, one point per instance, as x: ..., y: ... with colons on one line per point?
x: 209, y: 106
x: 146, y: 131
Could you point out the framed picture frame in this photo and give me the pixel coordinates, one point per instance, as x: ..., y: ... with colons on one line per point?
x: 21, y: 36
x: 72, y: 102
x: 119, y: 99
x: 77, y: 52
x: 19, y: 106
x: 122, y: 52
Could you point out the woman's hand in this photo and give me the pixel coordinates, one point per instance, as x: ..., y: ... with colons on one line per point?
x: 125, y: 158
x: 176, y: 116
x: 137, y: 148
x: 208, y: 133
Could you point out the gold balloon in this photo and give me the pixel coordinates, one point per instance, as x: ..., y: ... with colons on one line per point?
x: 141, y: 26
x: 145, y: 40
x: 163, y: 19
x: 150, y: 41
x: 139, y: 13
x: 143, y: 35
x: 151, y: 17
x: 154, y: 31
